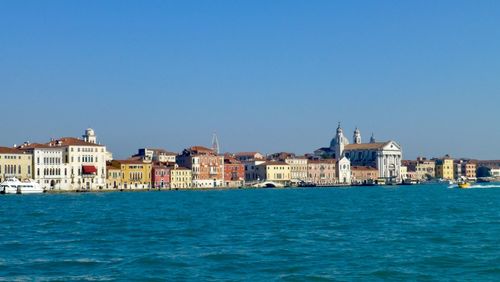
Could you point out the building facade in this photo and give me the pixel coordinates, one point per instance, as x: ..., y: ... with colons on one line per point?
x: 344, y: 171
x: 252, y: 170
x: 181, y: 178
x: 234, y: 172
x: 385, y: 156
x: 160, y: 175
x: 206, y: 166
x: 298, y: 168
x: 69, y: 163
x: 364, y: 174
x: 444, y: 168
x: 321, y: 172
x: 274, y: 171
x: 136, y: 174
x: 15, y: 163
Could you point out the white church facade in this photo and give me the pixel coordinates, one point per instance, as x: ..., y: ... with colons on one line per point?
x: 385, y: 156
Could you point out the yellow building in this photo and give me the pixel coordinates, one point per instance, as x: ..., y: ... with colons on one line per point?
x: 279, y: 172
x: 444, y: 168
x: 15, y: 163
x: 114, y: 177
x: 135, y: 173
x: 181, y: 178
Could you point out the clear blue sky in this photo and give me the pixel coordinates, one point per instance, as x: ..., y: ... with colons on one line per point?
x: 266, y: 75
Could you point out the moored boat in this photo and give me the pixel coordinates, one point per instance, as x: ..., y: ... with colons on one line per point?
x: 14, y: 186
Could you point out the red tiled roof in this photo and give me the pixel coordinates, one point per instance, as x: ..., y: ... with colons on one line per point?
x: 7, y: 150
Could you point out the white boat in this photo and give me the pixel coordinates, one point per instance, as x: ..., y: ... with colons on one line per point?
x: 14, y: 186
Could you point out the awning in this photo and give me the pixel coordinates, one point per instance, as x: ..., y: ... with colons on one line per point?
x: 89, y: 169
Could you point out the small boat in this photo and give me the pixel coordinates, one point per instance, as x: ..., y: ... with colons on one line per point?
x: 14, y: 186
x: 464, y: 184
x: 9, y: 186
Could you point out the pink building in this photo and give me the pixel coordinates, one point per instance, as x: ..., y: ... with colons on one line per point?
x: 160, y: 175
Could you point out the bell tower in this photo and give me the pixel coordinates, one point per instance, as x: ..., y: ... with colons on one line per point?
x: 357, y: 136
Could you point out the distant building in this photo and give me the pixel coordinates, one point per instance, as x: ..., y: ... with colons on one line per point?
x: 344, y: 171
x: 180, y: 178
x: 234, y: 172
x: 298, y: 168
x: 385, y: 156
x: 444, y: 168
x: 364, y: 174
x: 495, y: 172
x: 136, y: 174
x: 404, y: 173
x: 207, y: 167
x: 252, y: 170
x: 156, y: 155
x: 160, y: 175
x: 248, y: 156
x: 321, y: 172
x: 15, y: 163
x: 69, y: 163
x: 114, y: 178
x: 280, y: 157
x: 424, y: 169
x: 274, y: 171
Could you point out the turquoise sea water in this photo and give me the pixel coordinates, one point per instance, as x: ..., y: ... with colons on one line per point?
x: 426, y: 232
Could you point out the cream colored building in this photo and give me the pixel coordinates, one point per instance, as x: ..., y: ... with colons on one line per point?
x: 15, y: 163
x: 181, y: 178
x: 273, y: 171
x: 114, y: 178
x: 69, y: 163
x: 444, y: 168
x: 298, y: 168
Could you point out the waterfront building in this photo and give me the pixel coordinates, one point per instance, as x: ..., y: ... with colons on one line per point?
x: 274, y: 171
x: 180, y: 178
x: 364, y: 174
x: 156, y: 155
x: 248, y: 156
x: 424, y: 169
x: 252, y: 170
x: 444, y: 168
x: 464, y: 169
x: 206, y: 166
x: 160, y: 175
x: 114, y: 178
x: 69, y: 163
x: 234, y: 172
x: 51, y: 168
x: 15, y: 163
x: 404, y: 172
x: 495, y: 172
x: 298, y: 168
x: 136, y: 174
x: 344, y: 171
x: 385, y: 156
x: 321, y: 172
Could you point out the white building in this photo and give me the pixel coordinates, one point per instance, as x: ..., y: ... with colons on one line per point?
x: 385, y: 156
x: 70, y: 163
x: 156, y: 155
x: 344, y: 171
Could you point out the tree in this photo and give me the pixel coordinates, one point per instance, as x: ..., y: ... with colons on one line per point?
x: 483, y: 171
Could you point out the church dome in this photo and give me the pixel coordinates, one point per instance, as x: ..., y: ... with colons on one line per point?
x: 334, y: 141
